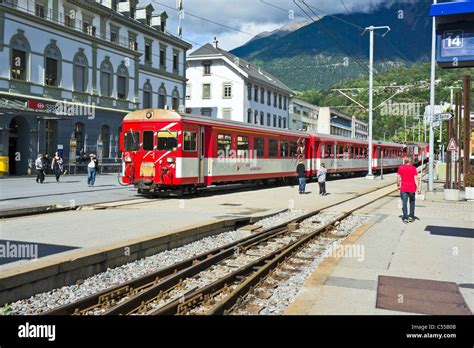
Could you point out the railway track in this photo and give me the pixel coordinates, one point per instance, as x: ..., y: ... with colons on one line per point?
x: 215, y: 279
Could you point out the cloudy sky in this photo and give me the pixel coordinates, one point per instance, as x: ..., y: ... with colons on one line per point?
x: 240, y: 20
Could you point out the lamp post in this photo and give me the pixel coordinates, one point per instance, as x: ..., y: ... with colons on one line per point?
x: 432, y: 103
x: 371, y: 29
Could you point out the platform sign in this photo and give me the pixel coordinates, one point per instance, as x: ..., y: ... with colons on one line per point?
x: 454, y: 33
x: 452, y: 145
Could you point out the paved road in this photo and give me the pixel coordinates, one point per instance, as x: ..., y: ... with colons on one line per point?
x: 23, y: 192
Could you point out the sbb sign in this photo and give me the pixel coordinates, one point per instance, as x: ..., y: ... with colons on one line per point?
x: 35, y: 105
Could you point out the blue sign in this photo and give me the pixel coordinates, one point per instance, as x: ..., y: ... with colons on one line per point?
x: 455, y: 33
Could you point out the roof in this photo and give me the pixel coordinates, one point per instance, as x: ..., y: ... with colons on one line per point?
x: 452, y: 8
x: 305, y: 104
x: 254, y: 72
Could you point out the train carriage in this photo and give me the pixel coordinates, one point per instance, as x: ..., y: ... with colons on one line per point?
x: 166, y: 151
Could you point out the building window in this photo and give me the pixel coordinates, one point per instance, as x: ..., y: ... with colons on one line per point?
x: 284, y: 103
x: 114, y: 36
x: 147, y: 92
x: 68, y: 20
x: 227, y: 93
x: 262, y: 118
x: 132, y: 11
x: 284, y: 123
x: 262, y: 95
x: 274, y: 100
x: 122, y: 82
x: 206, y: 68
x: 162, y: 97
x: 176, y: 62
x: 163, y: 57
x: 279, y: 121
x: 249, y: 91
x: 255, y: 117
x: 148, y: 18
x: 269, y: 98
x: 249, y: 116
x: 39, y: 10
x: 175, y: 100
x: 206, y: 91
x: 269, y: 119
x: 52, y: 58
x: 148, y: 52
x: 132, y: 43
x: 106, y: 78
x: 206, y: 112
x: 274, y: 121
x: 227, y: 113
x: 80, y: 72
x: 255, y: 96
x: 188, y: 92
x: 279, y: 102
x: 19, y: 62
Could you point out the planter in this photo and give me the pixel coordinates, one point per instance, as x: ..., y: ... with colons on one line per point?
x: 451, y: 195
x: 470, y: 193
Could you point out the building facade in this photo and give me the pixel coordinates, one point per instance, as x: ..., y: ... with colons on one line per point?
x: 333, y: 122
x: 224, y: 86
x: 303, y: 116
x: 71, y: 71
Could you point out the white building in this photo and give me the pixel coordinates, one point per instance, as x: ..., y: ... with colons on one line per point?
x: 224, y: 86
x: 303, y: 116
x: 108, y: 57
x: 333, y: 122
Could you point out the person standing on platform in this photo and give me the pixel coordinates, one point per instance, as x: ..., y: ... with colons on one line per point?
x: 92, y: 170
x: 301, y: 171
x: 57, y: 166
x: 407, y: 181
x: 39, y: 169
x: 322, y: 173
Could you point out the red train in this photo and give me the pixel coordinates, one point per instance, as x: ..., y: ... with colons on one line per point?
x: 166, y: 151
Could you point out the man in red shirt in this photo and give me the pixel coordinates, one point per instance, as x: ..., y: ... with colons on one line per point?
x: 407, y: 181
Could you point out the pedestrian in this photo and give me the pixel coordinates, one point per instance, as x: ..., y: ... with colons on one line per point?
x: 92, y: 169
x: 407, y: 181
x: 57, y: 166
x: 322, y: 173
x: 301, y: 171
x: 46, y: 163
x: 39, y: 169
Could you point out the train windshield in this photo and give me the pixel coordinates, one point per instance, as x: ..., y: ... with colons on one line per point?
x: 167, y: 140
x: 131, y: 141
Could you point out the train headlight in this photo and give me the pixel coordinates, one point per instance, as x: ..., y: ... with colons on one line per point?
x: 170, y: 160
x: 127, y: 158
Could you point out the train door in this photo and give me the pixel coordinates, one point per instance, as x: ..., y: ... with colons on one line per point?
x: 201, y: 155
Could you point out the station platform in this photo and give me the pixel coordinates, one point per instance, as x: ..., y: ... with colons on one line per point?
x: 424, y: 267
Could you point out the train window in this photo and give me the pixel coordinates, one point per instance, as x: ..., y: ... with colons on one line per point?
x: 224, y: 142
x: 273, y: 148
x: 284, y: 149
x: 293, y: 149
x: 148, y: 141
x: 190, y: 143
x: 258, y: 146
x: 167, y: 140
x: 131, y: 141
x: 242, y: 145
x: 329, y: 150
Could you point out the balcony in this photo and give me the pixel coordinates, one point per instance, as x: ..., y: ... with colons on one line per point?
x: 66, y: 20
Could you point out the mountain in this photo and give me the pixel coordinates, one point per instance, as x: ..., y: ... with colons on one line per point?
x: 333, y: 48
x: 284, y: 30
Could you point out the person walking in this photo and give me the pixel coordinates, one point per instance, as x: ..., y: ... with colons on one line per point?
x: 57, y: 166
x: 407, y: 182
x: 322, y: 173
x: 301, y: 171
x: 92, y: 170
x: 39, y: 169
x: 46, y: 164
